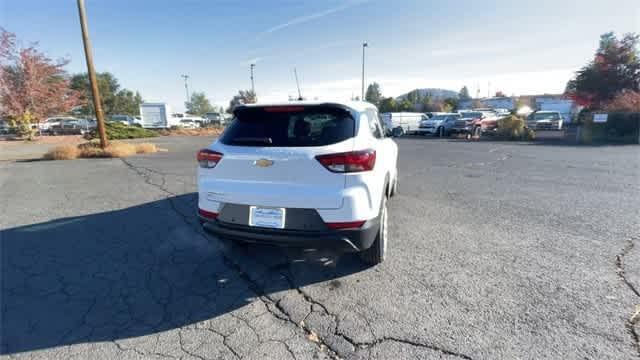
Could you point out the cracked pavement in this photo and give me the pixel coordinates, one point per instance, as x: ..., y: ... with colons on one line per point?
x: 498, y: 251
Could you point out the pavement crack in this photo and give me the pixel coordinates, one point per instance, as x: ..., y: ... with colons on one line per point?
x: 418, y: 344
x: 630, y: 324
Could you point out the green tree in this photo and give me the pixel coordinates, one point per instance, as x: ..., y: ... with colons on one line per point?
x: 243, y: 97
x: 199, y: 104
x: 414, y: 97
x: 464, y: 94
x: 388, y: 104
x: 450, y: 104
x: 127, y: 102
x: 427, y: 103
x: 406, y: 105
x: 373, y: 94
x: 107, y: 85
x: 615, y: 67
x: 114, y: 99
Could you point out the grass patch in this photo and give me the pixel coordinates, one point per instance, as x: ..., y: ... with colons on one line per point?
x: 120, y: 131
x: 92, y: 149
x: 64, y: 152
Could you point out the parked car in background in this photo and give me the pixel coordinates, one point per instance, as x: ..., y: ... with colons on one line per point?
x: 401, y: 123
x: 502, y: 112
x: 440, y: 125
x: 5, y: 127
x: 431, y: 114
x: 188, y: 124
x: 487, y: 124
x: 310, y: 175
x: 214, y: 118
x: 466, y: 124
x: 545, y: 120
x: 46, y: 125
x: 72, y: 127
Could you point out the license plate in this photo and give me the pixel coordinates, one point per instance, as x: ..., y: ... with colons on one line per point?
x: 266, y: 217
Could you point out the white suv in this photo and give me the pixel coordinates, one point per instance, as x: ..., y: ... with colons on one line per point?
x: 307, y: 174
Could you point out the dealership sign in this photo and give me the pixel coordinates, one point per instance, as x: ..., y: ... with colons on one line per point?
x: 600, y: 118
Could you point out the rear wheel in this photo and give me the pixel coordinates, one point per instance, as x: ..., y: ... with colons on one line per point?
x: 377, y: 252
x: 397, y: 132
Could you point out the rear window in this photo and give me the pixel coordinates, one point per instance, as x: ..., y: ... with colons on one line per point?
x: 290, y: 126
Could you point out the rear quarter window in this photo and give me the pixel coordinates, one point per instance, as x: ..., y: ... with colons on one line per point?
x: 289, y: 126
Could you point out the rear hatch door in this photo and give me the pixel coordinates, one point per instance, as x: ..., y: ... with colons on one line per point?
x: 269, y: 157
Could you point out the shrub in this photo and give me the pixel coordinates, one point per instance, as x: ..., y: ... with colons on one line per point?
x: 146, y: 148
x: 119, y: 131
x: 25, y: 125
x: 625, y: 101
x: 511, y: 128
x: 64, y: 152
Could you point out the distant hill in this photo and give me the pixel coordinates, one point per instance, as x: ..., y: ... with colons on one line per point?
x: 436, y: 94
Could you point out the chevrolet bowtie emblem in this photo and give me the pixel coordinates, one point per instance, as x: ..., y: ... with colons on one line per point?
x: 263, y: 163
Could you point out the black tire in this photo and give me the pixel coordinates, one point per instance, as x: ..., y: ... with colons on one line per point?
x: 377, y: 252
x: 397, y: 132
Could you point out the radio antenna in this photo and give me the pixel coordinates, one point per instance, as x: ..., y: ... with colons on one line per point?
x: 295, y: 72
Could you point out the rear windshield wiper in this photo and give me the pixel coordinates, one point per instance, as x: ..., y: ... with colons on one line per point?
x: 253, y: 140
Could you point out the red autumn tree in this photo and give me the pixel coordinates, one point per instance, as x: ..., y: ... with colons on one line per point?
x: 32, y: 85
x: 625, y: 101
x: 614, y: 68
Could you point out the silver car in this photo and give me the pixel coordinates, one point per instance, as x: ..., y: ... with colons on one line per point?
x: 440, y: 124
x: 545, y: 120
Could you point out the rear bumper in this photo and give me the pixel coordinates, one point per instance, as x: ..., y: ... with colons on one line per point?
x: 348, y: 240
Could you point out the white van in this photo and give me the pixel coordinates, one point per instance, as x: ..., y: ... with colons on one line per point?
x: 401, y: 123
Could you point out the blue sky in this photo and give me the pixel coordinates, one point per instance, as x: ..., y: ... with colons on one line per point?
x: 512, y: 46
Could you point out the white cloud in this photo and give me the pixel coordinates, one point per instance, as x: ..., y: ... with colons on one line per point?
x: 310, y: 17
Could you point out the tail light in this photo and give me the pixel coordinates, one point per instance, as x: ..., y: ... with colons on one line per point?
x: 207, y: 214
x: 345, y: 225
x: 353, y: 161
x: 208, y: 158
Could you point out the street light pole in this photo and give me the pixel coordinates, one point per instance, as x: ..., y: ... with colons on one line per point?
x: 186, y: 86
x: 364, y: 45
x: 253, y: 89
x: 92, y: 75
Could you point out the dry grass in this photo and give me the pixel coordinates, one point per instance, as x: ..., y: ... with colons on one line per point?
x: 92, y: 149
x: 64, y: 152
x: 192, y: 132
x: 146, y: 148
x: 117, y: 149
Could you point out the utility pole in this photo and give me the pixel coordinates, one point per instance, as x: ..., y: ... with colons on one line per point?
x: 186, y: 86
x: 253, y: 89
x: 92, y: 75
x: 364, y: 45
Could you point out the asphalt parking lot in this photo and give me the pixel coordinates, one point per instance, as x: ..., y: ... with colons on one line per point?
x: 498, y: 251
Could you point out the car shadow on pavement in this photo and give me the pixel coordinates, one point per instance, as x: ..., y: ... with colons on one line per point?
x: 137, y: 271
